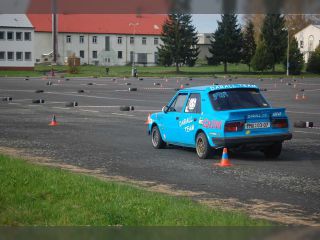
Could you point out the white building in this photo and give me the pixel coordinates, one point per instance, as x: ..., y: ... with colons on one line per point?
x: 16, y: 42
x: 100, y: 39
x: 204, y: 44
x: 308, y: 39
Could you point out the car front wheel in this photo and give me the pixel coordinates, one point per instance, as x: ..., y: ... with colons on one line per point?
x: 156, y: 138
x: 202, y: 146
x: 273, y: 151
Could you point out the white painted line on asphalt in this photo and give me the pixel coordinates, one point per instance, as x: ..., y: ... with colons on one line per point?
x: 14, y: 103
x: 85, y: 110
x: 317, y: 133
x: 98, y: 106
x: 64, y: 108
x: 22, y: 100
x: 121, y: 90
x: 158, y: 88
x: 304, y: 113
x: 49, y: 102
x: 122, y: 114
x: 312, y: 90
x: 101, y: 97
x: 34, y: 105
x: 16, y: 90
x: 148, y: 110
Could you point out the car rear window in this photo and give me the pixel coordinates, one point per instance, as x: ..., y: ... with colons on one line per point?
x: 237, y: 99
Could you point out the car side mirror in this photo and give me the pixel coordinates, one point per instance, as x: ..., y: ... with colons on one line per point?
x: 165, y: 109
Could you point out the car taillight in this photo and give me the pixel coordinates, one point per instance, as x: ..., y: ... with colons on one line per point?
x: 280, y: 123
x: 233, y: 126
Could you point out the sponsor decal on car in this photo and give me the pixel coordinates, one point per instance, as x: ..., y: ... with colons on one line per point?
x: 214, y: 124
x: 185, y: 121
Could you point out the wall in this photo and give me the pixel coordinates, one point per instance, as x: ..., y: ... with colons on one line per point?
x: 305, y: 36
x: 17, y: 46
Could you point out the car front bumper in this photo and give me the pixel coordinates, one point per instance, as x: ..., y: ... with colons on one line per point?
x: 251, y: 140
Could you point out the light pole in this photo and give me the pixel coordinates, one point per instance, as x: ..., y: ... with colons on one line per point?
x: 134, y: 25
x: 288, y: 51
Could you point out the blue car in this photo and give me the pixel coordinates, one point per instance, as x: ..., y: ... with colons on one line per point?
x: 209, y: 118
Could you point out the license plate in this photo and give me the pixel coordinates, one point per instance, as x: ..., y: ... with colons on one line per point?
x: 257, y: 125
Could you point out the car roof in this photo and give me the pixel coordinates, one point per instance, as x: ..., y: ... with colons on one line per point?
x: 210, y: 88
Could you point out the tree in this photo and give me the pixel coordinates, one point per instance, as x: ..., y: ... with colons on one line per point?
x: 296, y: 61
x: 226, y: 42
x: 179, y: 41
x: 262, y: 59
x: 313, y: 65
x: 249, y: 44
x: 275, y: 37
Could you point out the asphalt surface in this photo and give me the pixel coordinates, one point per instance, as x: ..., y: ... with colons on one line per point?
x: 97, y: 135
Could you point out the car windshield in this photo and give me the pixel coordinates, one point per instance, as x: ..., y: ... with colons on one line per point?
x: 237, y: 99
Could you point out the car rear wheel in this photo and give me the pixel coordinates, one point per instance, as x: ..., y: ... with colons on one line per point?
x: 202, y: 146
x: 273, y: 151
x: 156, y: 138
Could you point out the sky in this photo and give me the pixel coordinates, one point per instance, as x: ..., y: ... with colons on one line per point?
x: 206, y: 23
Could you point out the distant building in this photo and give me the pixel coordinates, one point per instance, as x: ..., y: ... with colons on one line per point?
x: 204, y: 44
x: 308, y: 39
x: 100, y: 39
x: 16, y: 42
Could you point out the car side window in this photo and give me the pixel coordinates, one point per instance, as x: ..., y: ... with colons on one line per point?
x: 194, y: 103
x: 178, y: 103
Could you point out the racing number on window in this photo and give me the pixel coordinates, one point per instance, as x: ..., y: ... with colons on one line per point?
x: 194, y: 103
x: 178, y: 103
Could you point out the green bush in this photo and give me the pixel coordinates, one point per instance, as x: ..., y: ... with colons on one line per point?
x: 262, y: 59
x: 313, y: 65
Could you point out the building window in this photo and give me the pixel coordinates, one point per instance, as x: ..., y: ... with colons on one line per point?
x: 10, y: 36
x: 2, y: 35
x: 94, y: 54
x: 2, y: 56
x: 10, y: 56
x: 131, y: 56
x: 27, y: 56
x: 107, y: 43
x: 142, y: 58
x: 81, y: 39
x: 68, y: 39
x: 301, y: 44
x: 81, y: 53
x: 19, y: 36
x: 156, y: 57
x: 144, y: 40
x: 156, y: 41
x: 19, y: 56
x: 27, y: 36
x: 120, y: 54
x: 131, y: 40
x: 94, y: 39
x: 119, y: 40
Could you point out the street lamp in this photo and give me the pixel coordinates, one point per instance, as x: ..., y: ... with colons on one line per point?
x: 134, y: 25
x: 288, y: 64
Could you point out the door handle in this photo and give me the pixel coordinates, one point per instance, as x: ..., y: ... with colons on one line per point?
x: 177, y: 118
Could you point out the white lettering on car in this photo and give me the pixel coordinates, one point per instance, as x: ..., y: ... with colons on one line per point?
x: 189, y: 128
x: 185, y: 121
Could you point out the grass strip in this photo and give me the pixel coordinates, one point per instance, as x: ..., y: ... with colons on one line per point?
x: 44, y: 196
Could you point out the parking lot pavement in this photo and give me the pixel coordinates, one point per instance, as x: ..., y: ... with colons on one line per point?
x: 97, y: 135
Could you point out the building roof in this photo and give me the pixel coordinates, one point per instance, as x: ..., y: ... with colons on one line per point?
x: 15, y: 20
x: 149, y: 24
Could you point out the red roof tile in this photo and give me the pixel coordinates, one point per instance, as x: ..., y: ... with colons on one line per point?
x: 149, y: 24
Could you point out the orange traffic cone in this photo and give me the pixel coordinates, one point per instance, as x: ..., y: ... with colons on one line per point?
x: 297, y: 96
x: 181, y: 86
x: 148, y: 120
x: 53, y: 121
x: 303, y: 96
x: 224, y: 160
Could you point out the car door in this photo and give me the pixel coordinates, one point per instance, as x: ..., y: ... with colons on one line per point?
x: 172, y: 117
x: 189, y: 119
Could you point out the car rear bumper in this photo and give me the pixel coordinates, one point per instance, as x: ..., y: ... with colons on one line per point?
x: 253, y: 140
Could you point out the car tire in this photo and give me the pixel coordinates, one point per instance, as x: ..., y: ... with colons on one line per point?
x: 203, y: 148
x: 273, y: 151
x: 156, y: 138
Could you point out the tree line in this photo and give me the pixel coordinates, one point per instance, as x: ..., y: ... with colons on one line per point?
x: 232, y: 44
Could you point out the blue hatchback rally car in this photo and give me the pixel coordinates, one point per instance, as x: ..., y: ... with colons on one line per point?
x: 208, y: 118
